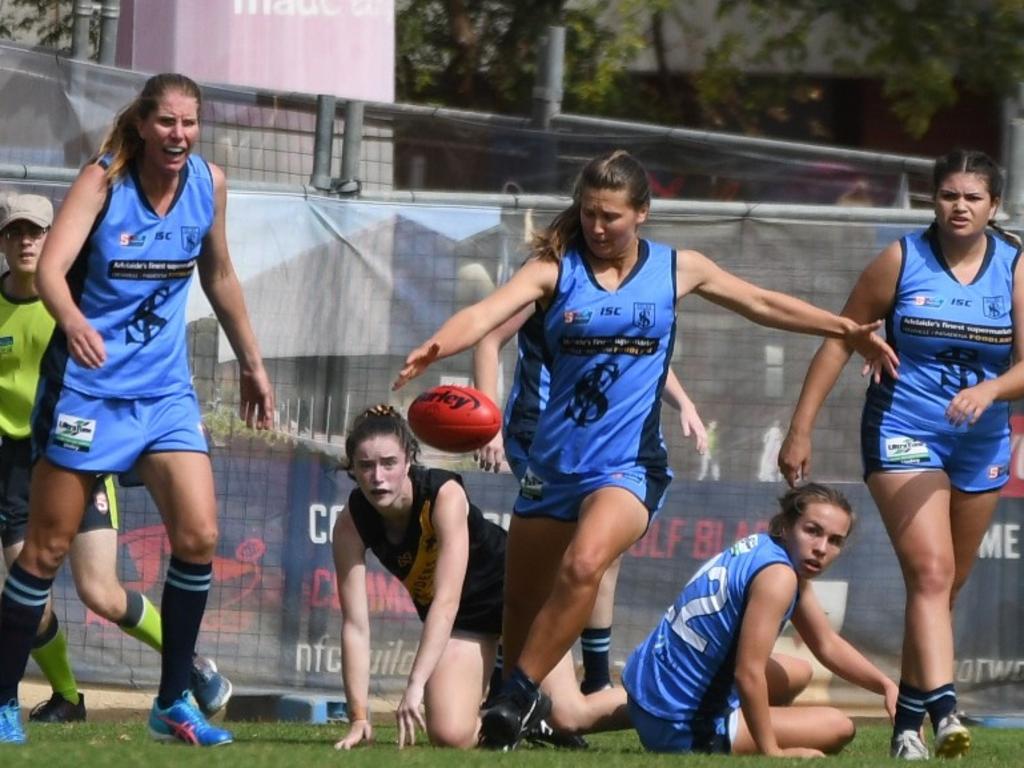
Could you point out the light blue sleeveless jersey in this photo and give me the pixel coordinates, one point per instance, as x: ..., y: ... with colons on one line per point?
x: 949, y: 336
x: 131, y: 281
x: 608, y: 356
x: 529, y: 394
x: 685, y: 668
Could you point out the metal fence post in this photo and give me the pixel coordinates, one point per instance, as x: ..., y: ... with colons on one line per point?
x: 1013, y: 204
x: 351, y: 149
x: 80, y: 47
x: 110, y: 12
x: 323, y: 142
x: 547, y: 93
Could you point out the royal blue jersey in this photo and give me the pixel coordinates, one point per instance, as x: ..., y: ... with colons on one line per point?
x: 948, y: 335
x: 608, y: 356
x: 131, y: 282
x: 685, y: 668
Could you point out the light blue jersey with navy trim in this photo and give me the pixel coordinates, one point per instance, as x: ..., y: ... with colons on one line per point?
x: 530, y: 385
x: 685, y: 668
x: 948, y: 335
x: 131, y: 282
x: 609, y: 354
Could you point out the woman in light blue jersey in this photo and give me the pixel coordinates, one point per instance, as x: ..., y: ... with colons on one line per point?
x: 935, y: 441
x: 705, y: 679
x: 597, y: 469
x: 115, y: 388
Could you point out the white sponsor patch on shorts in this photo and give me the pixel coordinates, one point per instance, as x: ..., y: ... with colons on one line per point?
x: 74, y: 433
x: 531, y: 486
x: 905, y: 450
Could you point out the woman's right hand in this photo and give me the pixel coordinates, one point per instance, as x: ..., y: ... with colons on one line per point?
x: 795, y: 457
x: 491, y: 457
x: 85, y: 345
x: 358, y: 732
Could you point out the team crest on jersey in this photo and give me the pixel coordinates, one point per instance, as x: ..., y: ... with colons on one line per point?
x: 576, y: 317
x: 6, y: 344
x: 995, y: 306
x: 74, y: 432
x: 643, y: 314
x: 927, y: 301
x: 189, y: 238
x: 128, y: 240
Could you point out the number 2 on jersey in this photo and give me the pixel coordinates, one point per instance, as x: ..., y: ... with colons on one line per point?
x: 702, y: 606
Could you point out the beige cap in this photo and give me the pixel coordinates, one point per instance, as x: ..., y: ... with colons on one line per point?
x: 34, y: 208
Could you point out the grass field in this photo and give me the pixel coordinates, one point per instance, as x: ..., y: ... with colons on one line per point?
x: 279, y: 744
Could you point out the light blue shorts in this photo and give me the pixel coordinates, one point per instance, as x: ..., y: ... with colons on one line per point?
x: 713, y: 736
x: 98, y: 434
x: 974, y: 461
x: 558, y: 496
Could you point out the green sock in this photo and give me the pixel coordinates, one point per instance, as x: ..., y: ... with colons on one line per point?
x: 51, y: 654
x: 142, y: 621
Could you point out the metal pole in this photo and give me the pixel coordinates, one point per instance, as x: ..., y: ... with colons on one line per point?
x: 1013, y: 204
x: 547, y: 93
x: 110, y: 12
x: 80, y: 48
x: 323, y: 142
x: 351, y: 149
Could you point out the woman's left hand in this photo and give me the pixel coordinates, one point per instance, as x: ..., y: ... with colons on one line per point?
x: 416, y: 363
x: 691, y: 423
x: 969, y: 404
x: 875, y: 350
x: 256, y: 403
x: 409, y: 715
x: 892, y: 692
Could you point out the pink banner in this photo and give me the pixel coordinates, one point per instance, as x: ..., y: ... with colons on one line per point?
x: 340, y: 47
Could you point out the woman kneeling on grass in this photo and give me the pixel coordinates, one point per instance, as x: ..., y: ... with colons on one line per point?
x: 423, y: 528
x: 705, y: 679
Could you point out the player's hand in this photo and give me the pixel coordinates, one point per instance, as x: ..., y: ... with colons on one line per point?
x: 358, y: 732
x: 875, y: 350
x: 795, y: 457
x: 85, y: 345
x: 691, y: 423
x: 491, y: 457
x: 256, y: 399
x: 416, y: 363
x: 892, y: 692
x: 409, y: 715
x: 969, y: 404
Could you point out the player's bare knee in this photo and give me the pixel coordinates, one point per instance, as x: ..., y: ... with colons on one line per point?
x: 933, y: 577
x: 842, y: 729
x: 43, y: 555
x: 453, y: 735
x: 583, y: 569
x: 196, y: 544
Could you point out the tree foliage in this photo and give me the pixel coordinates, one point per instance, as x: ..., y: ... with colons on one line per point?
x: 46, y: 22
x: 483, y: 54
x: 923, y: 52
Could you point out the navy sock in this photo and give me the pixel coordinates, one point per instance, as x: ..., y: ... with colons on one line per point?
x: 21, y: 609
x: 939, y: 703
x: 181, y: 609
x: 910, y: 709
x: 519, y: 686
x: 596, y: 644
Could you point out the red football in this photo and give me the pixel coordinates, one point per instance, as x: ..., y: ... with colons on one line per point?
x: 454, y: 419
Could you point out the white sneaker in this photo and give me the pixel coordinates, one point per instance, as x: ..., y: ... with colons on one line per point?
x: 952, y: 739
x: 907, y: 745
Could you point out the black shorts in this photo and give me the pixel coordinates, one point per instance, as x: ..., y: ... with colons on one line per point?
x: 15, y: 479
